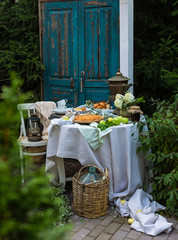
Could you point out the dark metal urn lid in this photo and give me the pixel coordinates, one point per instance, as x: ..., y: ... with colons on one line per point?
x: 119, y: 77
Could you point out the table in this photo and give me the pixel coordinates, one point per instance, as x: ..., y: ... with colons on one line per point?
x: 117, y: 153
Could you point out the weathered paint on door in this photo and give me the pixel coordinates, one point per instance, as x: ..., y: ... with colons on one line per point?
x: 80, y: 45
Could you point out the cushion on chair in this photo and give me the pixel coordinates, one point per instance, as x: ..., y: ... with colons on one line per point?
x: 23, y: 141
x: 44, y: 110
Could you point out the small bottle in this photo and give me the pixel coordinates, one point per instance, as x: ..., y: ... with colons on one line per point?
x: 91, y: 176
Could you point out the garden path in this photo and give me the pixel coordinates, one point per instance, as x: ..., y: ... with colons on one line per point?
x: 111, y: 227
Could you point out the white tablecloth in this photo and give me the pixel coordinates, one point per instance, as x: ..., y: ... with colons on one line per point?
x: 118, y: 154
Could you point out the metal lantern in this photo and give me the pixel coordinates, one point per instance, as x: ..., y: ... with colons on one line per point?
x: 118, y: 84
x: 34, y: 128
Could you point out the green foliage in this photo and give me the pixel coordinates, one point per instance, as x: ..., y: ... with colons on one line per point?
x: 162, y: 139
x: 34, y: 210
x: 89, y: 103
x: 156, y: 49
x: 9, y: 120
x: 19, y: 42
x: 62, y: 209
x: 105, y: 125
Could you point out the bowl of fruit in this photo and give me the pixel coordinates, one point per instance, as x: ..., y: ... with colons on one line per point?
x: 102, y: 108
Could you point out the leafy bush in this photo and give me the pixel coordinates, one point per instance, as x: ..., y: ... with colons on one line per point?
x: 62, y: 209
x: 162, y: 139
x: 156, y: 48
x: 34, y: 210
x: 19, y: 42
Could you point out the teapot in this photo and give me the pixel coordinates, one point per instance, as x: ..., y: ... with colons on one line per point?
x: 61, y: 105
x: 118, y: 84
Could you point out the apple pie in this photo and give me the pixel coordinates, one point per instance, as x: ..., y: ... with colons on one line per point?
x: 87, y: 118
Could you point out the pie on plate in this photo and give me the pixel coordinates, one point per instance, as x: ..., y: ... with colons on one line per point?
x: 87, y: 118
x: 82, y: 109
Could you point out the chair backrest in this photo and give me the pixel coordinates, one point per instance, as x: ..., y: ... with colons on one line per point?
x: 28, y: 107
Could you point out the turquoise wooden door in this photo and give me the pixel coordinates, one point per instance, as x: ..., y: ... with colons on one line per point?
x: 80, y: 43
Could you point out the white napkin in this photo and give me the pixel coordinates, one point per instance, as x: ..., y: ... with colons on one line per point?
x: 142, y: 209
x: 56, y: 122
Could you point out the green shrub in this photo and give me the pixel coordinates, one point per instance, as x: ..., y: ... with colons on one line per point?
x: 19, y: 42
x: 162, y: 139
x: 156, y: 49
x: 34, y: 210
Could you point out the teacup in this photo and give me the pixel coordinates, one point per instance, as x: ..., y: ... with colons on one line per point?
x: 61, y: 105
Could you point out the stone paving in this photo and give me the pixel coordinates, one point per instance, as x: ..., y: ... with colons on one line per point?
x: 113, y: 227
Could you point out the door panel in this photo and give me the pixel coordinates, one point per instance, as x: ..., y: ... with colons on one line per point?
x: 60, y: 51
x: 60, y: 33
x: 96, y: 48
x: 97, y: 95
x: 98, y: 43
x: 56, y: 92
x: 79, y: 36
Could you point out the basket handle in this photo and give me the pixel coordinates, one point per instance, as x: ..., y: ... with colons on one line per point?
x: 106, y: 172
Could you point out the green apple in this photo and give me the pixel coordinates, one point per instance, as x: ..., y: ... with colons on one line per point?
x: 102, y: 122
x: 110, y: 119
x: 125, y: 120
x: 117, y: 120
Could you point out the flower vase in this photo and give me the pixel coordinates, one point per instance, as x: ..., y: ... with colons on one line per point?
x: 116, y: 111
x: 124, y: 113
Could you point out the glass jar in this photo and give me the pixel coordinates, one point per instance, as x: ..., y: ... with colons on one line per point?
x: 91, y: 176
x: 135, y: 112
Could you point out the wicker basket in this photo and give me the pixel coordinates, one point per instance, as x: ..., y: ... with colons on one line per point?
x: 37, y: 159
x: 90, y: 200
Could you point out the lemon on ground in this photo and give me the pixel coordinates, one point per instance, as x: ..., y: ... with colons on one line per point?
x: 130, y: 220
x: 138, y: 211
x: 122, y: 201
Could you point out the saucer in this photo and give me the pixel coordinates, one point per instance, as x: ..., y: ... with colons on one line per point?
x: 59, y: 111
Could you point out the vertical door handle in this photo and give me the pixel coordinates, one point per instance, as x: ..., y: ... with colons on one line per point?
x: 72, y: 89
x: 81, y: 84
x: 71, y: 84
x: 81, y: 81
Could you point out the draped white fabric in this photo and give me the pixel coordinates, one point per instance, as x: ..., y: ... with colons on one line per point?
x: 142, y: 208
x: 126, y: 170
x: 117, y: 153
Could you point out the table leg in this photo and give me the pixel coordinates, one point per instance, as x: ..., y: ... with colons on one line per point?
x: 61, y: 170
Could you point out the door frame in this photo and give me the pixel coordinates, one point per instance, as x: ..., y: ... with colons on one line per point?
x: 126, y: 37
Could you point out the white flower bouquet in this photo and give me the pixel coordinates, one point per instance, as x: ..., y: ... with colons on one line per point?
x: 125, y: 101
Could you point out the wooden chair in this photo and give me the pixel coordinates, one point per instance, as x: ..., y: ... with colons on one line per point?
x: 23, y: 142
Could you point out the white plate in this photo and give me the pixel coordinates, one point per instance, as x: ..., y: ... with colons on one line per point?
x: 103, y: 111
x: 87, y: 109
x: 59, y: 111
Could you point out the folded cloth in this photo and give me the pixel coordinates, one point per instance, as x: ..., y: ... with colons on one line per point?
x: 62, y: 121
x: 142, y: 208
x: 93, y: 135
x: 44, y: 109
x: 56, y: 122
